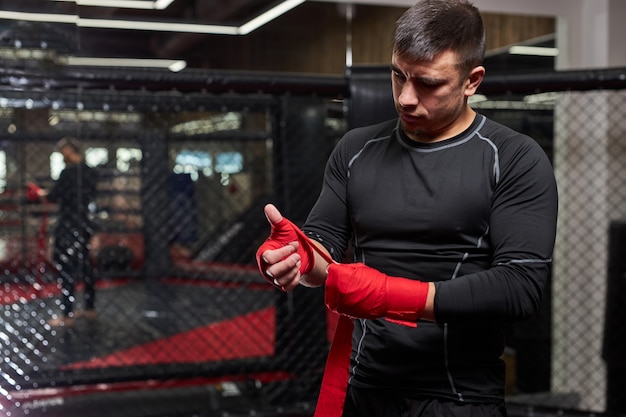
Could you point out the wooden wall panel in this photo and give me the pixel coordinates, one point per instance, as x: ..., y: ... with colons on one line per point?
x: 505, y: 30
x: 372, y: 32
x: 308, y: 39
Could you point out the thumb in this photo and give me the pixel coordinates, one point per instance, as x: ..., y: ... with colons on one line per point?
x: 272, y: 214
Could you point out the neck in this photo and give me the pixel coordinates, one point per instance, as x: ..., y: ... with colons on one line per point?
x: 460, y: 123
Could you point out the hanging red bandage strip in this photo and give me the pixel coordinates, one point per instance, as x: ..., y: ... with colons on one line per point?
x: 336, y: 372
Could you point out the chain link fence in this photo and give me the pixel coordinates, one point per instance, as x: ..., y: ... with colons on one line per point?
x: 185, y: 324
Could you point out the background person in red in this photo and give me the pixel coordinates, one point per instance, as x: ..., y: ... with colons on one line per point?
x: 452, y: 221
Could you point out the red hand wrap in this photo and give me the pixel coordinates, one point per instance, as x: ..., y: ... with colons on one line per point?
x: 359, y: 291
x: 283, y: 233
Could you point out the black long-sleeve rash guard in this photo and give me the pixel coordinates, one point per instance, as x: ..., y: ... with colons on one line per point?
x: 476, y: 214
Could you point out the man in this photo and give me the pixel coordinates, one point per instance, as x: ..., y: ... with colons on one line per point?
x: 74, y: 191
x: 452, y: 220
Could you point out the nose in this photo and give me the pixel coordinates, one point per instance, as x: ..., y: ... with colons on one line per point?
x: 408, y: 96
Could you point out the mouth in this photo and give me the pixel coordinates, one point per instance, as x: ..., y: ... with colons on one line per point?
x: 408, y: 118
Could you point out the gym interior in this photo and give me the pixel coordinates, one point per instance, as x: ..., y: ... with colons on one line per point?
x: 187, y: 158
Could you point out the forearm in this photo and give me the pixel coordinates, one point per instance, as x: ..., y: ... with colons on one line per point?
x: 507, y: 292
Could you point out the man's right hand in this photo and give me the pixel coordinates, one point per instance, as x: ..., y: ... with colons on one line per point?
x: 286, y: 254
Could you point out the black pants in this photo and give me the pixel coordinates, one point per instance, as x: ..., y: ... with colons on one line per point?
x: 373, y: 403
x: 71, y: 258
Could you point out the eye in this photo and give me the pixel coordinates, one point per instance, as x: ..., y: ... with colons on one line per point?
x: 398, y: 75
x: 431, y: 85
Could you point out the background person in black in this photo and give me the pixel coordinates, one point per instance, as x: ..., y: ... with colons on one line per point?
x: 452, y: 221
x: 74, y: 192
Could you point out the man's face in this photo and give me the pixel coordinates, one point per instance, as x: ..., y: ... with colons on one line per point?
x: 430, y: 96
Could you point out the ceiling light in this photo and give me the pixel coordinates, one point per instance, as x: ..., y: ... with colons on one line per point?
x: 39, y: 17
x: 533, y: 50
x: 177, y: 66
x: 171, y: 64
x: 268, y: 16
x: 128, y: 4
x: 156, y: 26
x: 20, y: 54
x: 244, y: 29
x: 162, y: 4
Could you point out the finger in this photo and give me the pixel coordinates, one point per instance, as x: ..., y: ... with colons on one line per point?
x: 278, y: 285
x: 292, y: 284
x: 276, y: 255
x: 285, y: 270
x: 288, y: 281
x: 272, y: 214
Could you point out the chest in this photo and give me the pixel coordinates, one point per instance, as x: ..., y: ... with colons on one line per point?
x: 394, y: 190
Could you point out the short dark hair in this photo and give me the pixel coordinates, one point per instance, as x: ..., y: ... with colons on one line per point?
x: 71, y: 142
x: 431, y: 27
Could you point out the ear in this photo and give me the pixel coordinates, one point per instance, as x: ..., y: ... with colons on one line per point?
x: 473, y: 80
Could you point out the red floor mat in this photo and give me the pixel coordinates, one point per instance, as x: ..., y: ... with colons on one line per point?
x: 247, y: 336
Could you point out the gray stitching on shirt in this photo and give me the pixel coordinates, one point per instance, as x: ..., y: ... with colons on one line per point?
x: 526, y: 261
x: 358, y: 349
x: 356, y: 156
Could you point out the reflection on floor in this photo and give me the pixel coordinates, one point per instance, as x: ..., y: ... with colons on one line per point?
x: 134, y: 315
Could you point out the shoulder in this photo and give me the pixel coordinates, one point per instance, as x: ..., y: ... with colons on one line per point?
x: 499, y: 133
x: 507, y: 140
x: 356, y: 139
x: 383, y: 129
x: 517, y: 155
